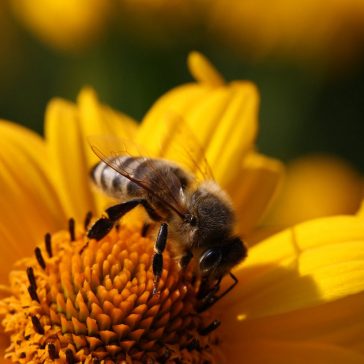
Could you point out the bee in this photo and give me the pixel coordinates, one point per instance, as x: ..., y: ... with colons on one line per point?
x: 197, y: 216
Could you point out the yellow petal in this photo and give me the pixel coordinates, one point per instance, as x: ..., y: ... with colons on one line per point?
x: 230, y: 119
x: 285, y: 352
x: 26, y: 191
x: 175, y: 102
x: 68, y: 163
x: 98, y: 120
x: 338, y: 323
x: 222, y: 117
x: 253, y: 191
x: 313, y: 263
x: 203, y: 71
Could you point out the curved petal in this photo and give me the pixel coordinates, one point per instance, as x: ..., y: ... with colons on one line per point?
x: 223, y: 118
x: 26, y: 191
x: 340, y: 323
x: 252, y: 193
x: 203, y: 71
x: 178, y: 101
x: 285, y: 352
x: 99, y: 120
x: 313, y: 263
x: 67, y: 160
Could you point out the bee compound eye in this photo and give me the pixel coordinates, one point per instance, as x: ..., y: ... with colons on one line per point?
x: 209, y: 260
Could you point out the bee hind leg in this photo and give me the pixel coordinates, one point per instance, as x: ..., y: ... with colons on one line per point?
x: 103, y: 225
x: 159, y: 246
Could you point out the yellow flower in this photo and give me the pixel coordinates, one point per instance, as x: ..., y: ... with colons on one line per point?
x: 68, y: 25
x: 316, y: 186
x: 330, y: 30
x: 300, y: 293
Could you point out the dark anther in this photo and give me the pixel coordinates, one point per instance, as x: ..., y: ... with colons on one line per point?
x: 39, y: 256
x: 87, y: 220
x: 52, y: 351
x: 145, y: 229
x: 71, y: 229
x: 69, y: 356
x: 206, y: 305
x: 211, y: 327
x: 48, y: 244
x: 33, y: 293
x: 194, y: 344
x: 96, y: 361
x: 117, y: 226
x: 31, y: 277
x: 37, y: 325
x: 23, y: 355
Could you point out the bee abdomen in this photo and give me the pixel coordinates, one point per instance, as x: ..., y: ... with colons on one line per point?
x: 112, y: 182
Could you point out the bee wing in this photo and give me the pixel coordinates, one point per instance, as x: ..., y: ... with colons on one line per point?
x: 180, y: 144
x: 167, y: 191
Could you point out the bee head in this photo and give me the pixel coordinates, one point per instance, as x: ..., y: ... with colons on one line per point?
x: 218, y: 260
x: 213, y: 216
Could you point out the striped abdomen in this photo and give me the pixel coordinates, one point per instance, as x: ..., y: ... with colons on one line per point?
x: 160, y: 175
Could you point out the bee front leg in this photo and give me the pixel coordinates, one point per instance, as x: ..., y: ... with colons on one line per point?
x: 159, y: 246
x: 111, y: 215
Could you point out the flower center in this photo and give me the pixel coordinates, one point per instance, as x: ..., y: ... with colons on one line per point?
x: 93, y: 301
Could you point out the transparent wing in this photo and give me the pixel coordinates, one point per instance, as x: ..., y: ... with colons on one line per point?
x: 165, y: 187
x: 177, y: 142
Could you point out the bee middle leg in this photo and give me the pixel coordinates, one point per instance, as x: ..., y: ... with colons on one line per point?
x: 103, y: 225
x: 159, y: 246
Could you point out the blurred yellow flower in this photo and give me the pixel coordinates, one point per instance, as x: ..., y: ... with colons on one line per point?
x: 323, y: 31
x: 300, y: 293
x: 67, y: 25
x: 316, y: 186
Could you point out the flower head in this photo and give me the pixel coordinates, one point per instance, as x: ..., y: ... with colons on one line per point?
x: 299, y: 294
x: 83, y: 304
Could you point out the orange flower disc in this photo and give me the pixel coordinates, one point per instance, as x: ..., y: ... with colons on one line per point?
x: 94, y: 304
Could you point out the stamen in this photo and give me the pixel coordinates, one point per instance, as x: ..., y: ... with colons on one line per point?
x: 87, y: 220
x: 117, y: 226
x: 33, y: 293
x: 37, y: 325
x: 71, y: 229
x: 213, y: 326
x: 48, y: 244
x: 52, y: 351
x: 69, y: 357
x: 145, y: 230
x: 31, y: 277
x: 39, y: 256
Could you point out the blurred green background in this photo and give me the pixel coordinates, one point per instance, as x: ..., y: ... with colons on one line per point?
x: 311, y: 82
